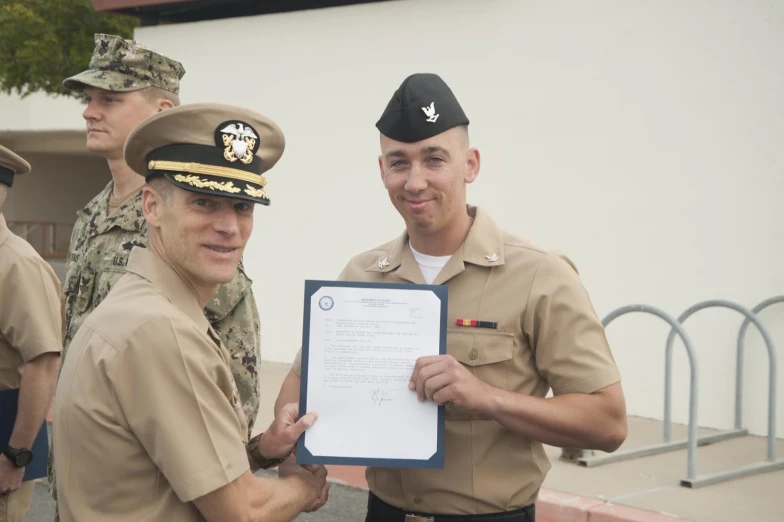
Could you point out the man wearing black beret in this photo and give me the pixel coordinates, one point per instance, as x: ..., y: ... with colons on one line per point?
x: 520, y: 324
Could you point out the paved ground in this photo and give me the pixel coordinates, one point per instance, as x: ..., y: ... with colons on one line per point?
x: 345, y: 504
x: 652, y: 483
x: 43, y: 505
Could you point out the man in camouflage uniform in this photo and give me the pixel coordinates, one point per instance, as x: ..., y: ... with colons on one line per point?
x: 124, y: 85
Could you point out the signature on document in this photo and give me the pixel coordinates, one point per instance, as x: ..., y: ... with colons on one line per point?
x: 378, y: 395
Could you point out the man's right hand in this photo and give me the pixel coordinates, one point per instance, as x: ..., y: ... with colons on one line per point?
x: 312, y: 479
x: 10, y: 476
x: 280, y: 439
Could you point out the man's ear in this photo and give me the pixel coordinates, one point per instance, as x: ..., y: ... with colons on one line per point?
x: 152, y: 206
x: 381, y: 169
x: 164, y: 104
x: 473, y: 162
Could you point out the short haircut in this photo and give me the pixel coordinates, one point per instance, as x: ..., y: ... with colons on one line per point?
x: 153, y: 94
x: 163, y: 187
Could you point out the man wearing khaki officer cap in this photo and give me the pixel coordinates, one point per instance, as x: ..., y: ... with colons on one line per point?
x: 148, y: 422
x: 124, y: 84
x: 30, y: 344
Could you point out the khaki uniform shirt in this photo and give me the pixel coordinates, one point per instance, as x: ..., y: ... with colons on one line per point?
x: 147, y: 414
x: 100, y: 246
x: 30, y: 308
x: 548, y: 336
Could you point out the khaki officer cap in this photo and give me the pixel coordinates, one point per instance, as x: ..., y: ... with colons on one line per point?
x: 210, y: 148
x: 11, y: 165
x: 125, y: 65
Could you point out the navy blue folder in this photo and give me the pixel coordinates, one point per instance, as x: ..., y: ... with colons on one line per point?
x: 304, y: 456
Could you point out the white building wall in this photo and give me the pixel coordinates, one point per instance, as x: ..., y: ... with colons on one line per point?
x: 642, y: 139
x: 40, y: 112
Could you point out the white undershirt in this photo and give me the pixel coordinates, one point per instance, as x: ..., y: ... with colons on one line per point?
x: 429, y: 265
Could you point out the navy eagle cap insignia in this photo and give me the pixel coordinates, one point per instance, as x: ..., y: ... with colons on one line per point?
x: 239, y: 140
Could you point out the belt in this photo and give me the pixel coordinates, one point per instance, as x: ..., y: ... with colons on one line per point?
x: 380, y: 511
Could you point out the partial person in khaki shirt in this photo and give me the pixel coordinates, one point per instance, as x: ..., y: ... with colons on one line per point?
x: 520, y: 324
x: 30, y: 344
x: 148, y: 421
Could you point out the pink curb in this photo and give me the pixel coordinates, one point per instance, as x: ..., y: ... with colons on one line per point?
x: 554, y: 506
x: 619, y: 513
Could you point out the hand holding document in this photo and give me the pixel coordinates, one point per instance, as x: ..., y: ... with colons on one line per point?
x: 360, y: 344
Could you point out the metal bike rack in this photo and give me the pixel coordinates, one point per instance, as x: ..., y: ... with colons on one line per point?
x: 742, y: 471
x: 691, y: 442
x: 739, y: 365
x: 738, y: 431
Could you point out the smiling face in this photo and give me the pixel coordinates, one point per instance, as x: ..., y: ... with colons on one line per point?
x: 202, y: 237
x: 111, y: 116
x: 426, y: 180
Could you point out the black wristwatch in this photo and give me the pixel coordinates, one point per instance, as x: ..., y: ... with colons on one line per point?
x: 19, y: 457
x: 258, y: 458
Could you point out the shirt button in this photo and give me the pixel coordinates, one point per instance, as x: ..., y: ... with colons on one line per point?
x: 472, y: 355
x: 417, y: 500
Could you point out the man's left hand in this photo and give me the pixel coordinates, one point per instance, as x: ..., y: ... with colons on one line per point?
x: 279, y: 440
x: 10, y: 476
x: 442, y: 379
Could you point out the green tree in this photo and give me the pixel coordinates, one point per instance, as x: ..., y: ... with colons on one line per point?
x: 42, y: 42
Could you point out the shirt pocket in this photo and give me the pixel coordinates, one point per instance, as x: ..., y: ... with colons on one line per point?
x: 487, y: 355
x: 79, y: 290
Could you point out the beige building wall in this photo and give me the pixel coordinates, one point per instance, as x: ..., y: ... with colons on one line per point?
x: 48, y: 198
x: 56, y: 188
x: 48, y: 131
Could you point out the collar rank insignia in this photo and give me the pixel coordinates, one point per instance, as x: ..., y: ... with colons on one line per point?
x: 240, y: 142
x: 430, y: 112
x: 383, y: 263
x: 492, y: 258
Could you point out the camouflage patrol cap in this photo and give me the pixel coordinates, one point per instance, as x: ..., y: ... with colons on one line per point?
x: 125, y: 65
x: 11, y: 165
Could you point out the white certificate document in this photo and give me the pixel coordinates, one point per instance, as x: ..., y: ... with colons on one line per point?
x: 360, y: 344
